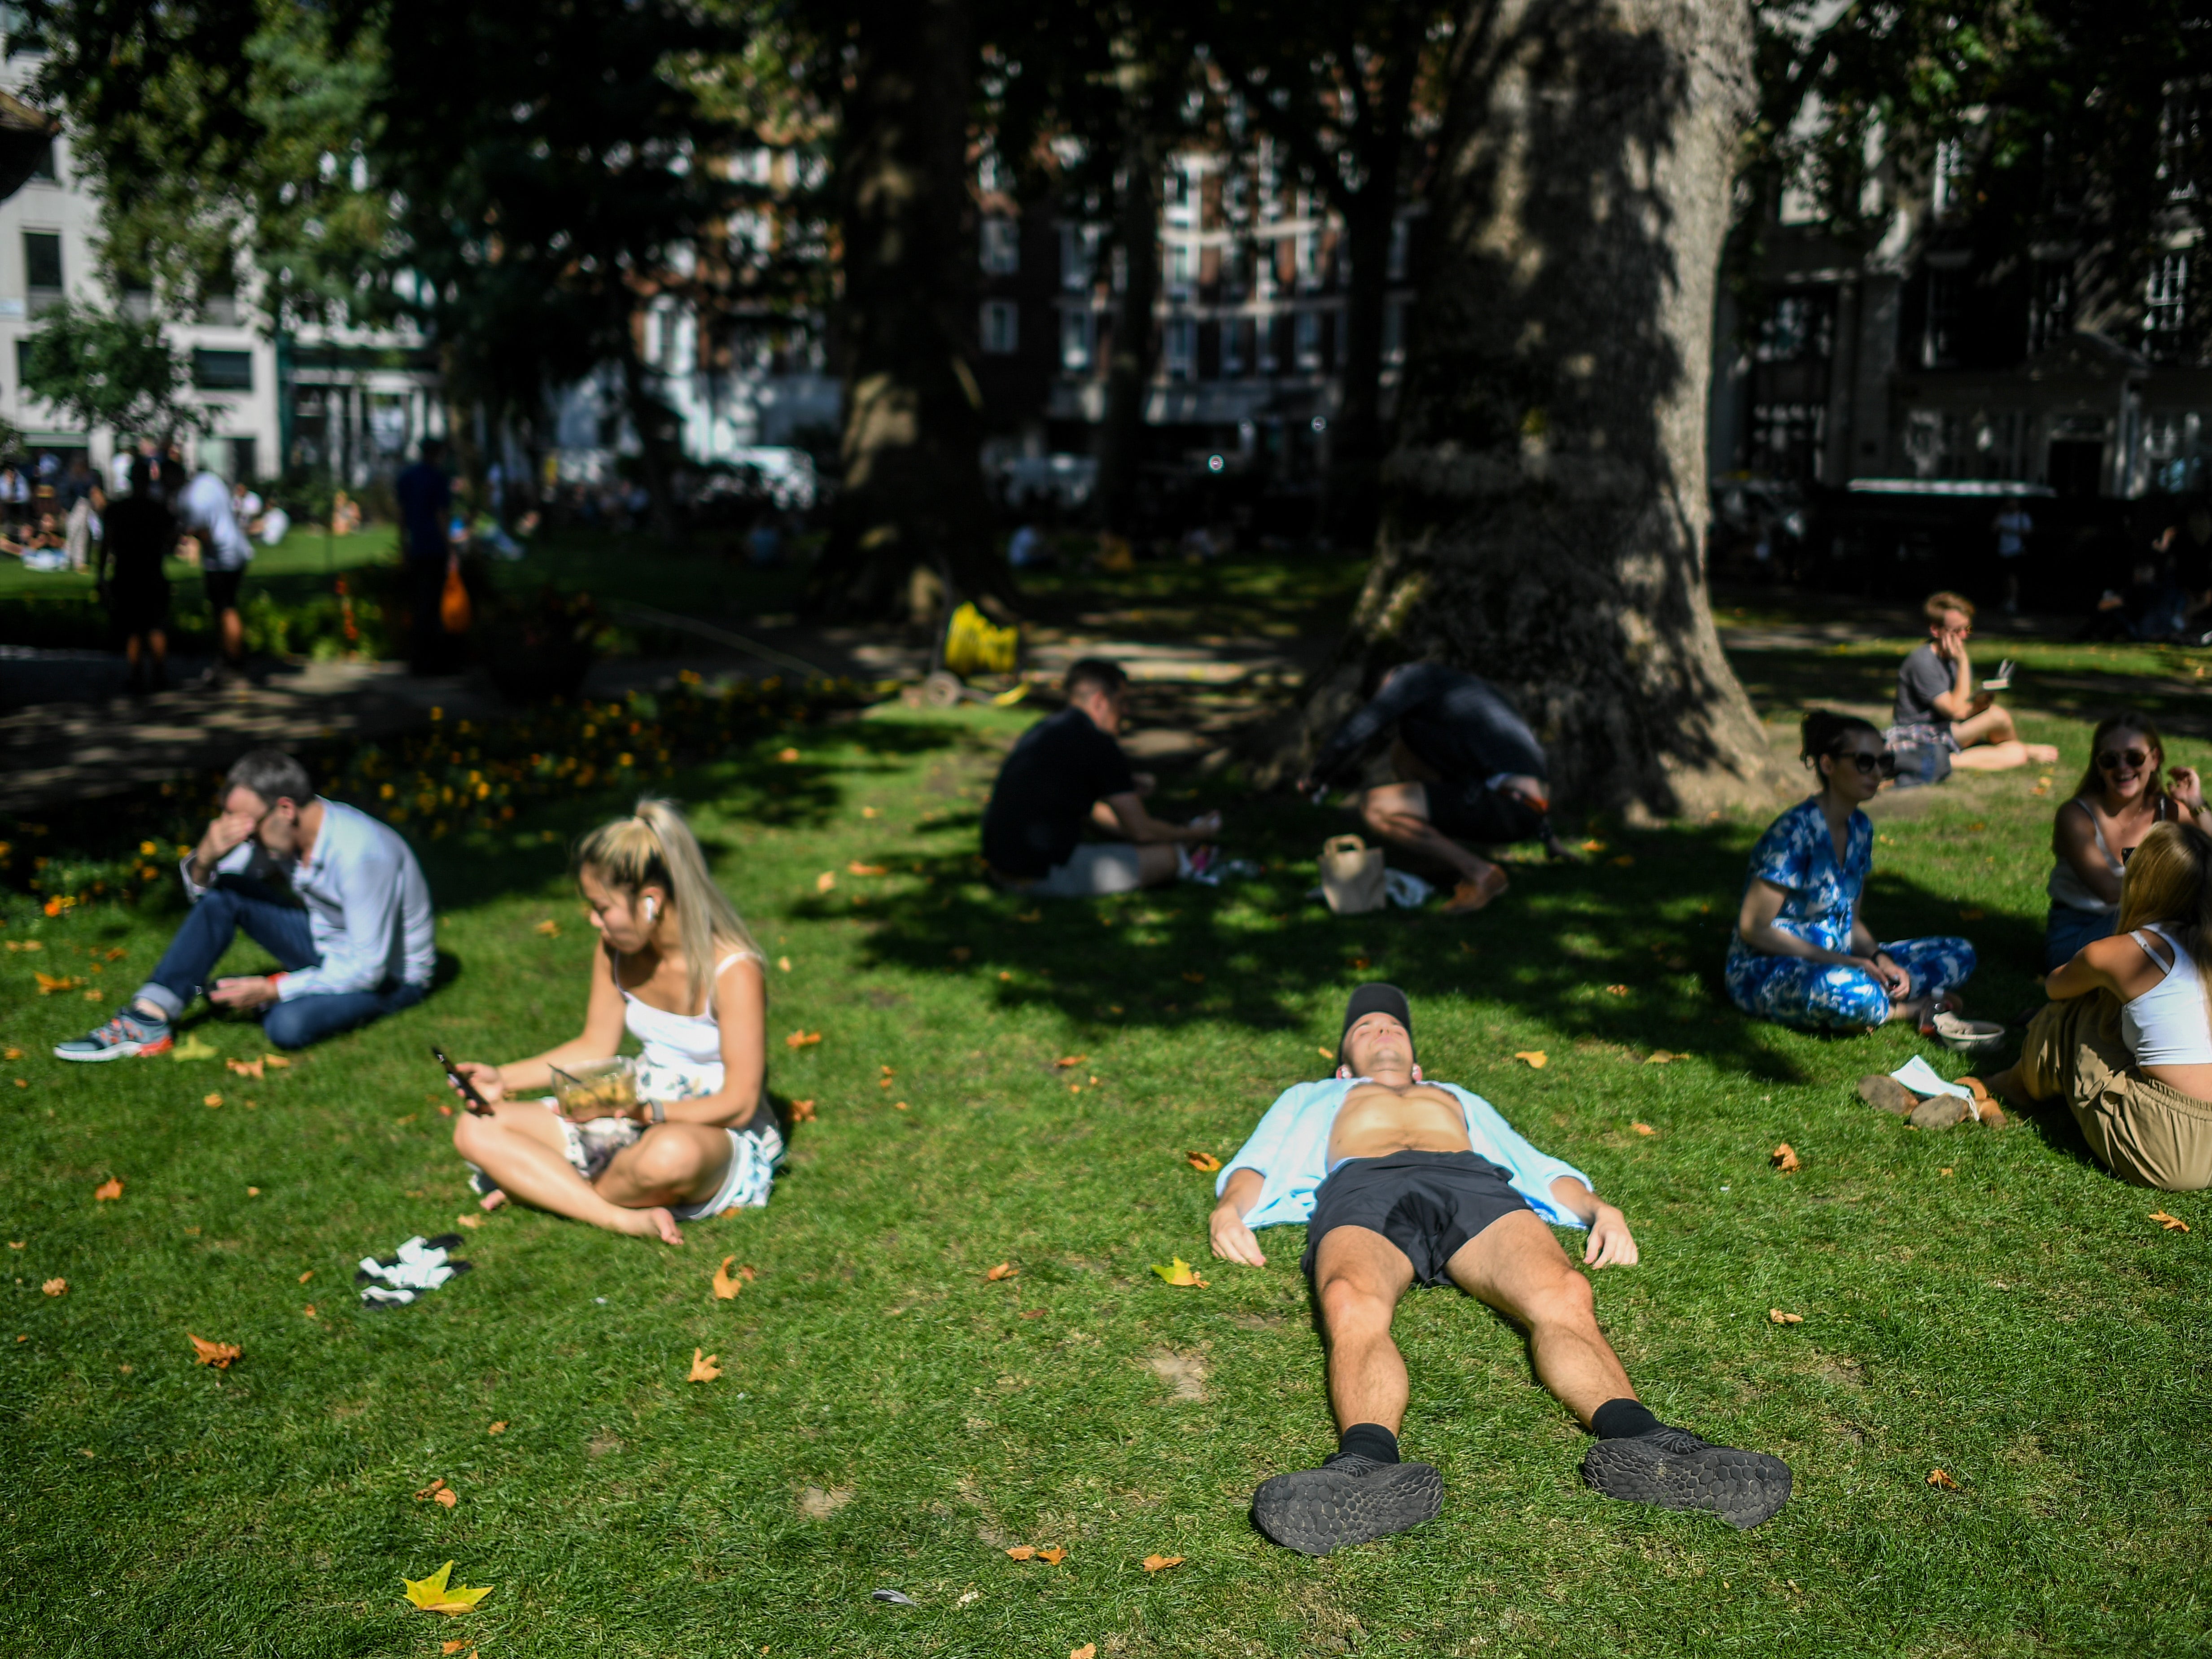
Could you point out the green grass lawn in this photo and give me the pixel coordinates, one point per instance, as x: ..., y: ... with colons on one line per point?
x: 1990, y: 1305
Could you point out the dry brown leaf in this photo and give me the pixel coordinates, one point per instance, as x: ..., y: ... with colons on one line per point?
x: 110, y: 1188
x: 212, y: 1100
x: 253, y: 1192
x: 726, y: 1285
x: 1937, y: 1478
x: 1643, y: 1129
x: 18, y: 1244
x: 825, y: 881
x: 50, y: 985
x: 802, y: 1039
x: 1022, y: 1552
x: 802, y: 1111
x: 786, y: 755
x: 1616, y: 990
x: 448, y: 1497
x: 1159, y: 1563
x: 245, y: 1068
x: 1004, y: 1270
x: 218, y: 1354
x: 1663, y: 1057
x: 857, y: 868
x: 549, y: 928
x: 1784, y: 1159
x: 309, y: 1310
x: 1203, y: 1163
x: 1781, y: 1318
x: 1068, y: 1062
x: 307, y: 1275
x: 471, y: 1222
x: 1537, y: 1059
x: 56, y: 1287
x: 1088, y: 1650
x: 704, y: 1368
x: 274, y: 1062
x: 496, y: 1428
x: 2172, y: 1223
x: 1055, y: 1555
x: 451, y: 1647
x: 432, y: 1490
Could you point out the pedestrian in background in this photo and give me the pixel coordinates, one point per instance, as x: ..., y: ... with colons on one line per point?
x: 203, y: 510
x: 139, y: 531
x: 426, y: 505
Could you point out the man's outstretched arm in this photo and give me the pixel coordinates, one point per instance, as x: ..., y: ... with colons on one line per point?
x: 1232, y: 1239
x: 1610, y: 1244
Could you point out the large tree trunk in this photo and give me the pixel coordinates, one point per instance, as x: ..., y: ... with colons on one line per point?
x: 913, y: 491
x: 1136, y: 336
x: 1545, y: 500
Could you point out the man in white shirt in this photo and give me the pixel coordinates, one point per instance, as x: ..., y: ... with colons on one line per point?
x: 334, y: 895
x: 204, y: 511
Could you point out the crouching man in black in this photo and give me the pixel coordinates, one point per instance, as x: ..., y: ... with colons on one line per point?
x: 1399, y: 1180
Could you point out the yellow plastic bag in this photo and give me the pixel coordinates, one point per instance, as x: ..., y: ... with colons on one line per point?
x: 973, y: 645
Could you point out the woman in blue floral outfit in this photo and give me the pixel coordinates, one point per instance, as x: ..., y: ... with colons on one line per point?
x: 1801, y: 954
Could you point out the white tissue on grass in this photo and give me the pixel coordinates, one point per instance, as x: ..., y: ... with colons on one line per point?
x: 1918, y: 1075
x: 419, y: 1268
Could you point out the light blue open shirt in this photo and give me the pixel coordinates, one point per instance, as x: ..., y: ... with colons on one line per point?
x: 1290, y: 1150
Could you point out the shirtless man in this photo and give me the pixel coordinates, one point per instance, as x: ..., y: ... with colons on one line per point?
x: 1397, y: 1180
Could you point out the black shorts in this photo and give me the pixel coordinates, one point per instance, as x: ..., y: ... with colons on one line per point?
x: 1476, y: 812
x: 222, y: 589
x: 137, y: 606
x: 1428, y: 1204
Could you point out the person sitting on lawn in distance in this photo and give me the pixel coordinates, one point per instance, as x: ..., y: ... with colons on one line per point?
x: 333, y: 893
x: 1801, y: 954
x: 1939, y: 705
x: 2126, y: 1040
x: 676, y: 968
x: 2121, y: 795
x: 1067, y: 770
x: 1475, y: 773
x: 1399, y: 1180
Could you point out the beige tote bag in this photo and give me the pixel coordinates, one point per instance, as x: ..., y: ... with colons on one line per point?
x: 1352, y: 875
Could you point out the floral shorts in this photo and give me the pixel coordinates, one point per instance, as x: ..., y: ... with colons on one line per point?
x: 756, y: 1150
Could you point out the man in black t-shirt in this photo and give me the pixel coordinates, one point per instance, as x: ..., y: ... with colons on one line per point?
x: 1477, y: 773
x: 137, y: 533
x: 1068, y: 771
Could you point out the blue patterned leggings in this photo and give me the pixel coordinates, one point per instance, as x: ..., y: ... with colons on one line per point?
x: 1821, y: 996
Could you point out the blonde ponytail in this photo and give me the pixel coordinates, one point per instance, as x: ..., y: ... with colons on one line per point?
x: 656, y: 848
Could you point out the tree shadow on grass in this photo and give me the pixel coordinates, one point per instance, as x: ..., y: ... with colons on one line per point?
x: 1624, y: 950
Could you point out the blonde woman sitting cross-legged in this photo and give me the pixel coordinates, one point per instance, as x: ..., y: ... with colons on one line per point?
x: 2126, y: 1041
x: 676, y: 967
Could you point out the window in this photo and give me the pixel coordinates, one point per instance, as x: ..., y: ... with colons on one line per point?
x: 1002, y: 247
x: 22, y: 362
x: 1236, y: 348
x: 2050, y: 305
x: 42, y: 260
x: 2180, y: 141
x: 1308, y: 257
x: 1401, y: 243
x: 1947, y: 184
x: 1181, y: 347
x: 1307, y: 339
x: 1947, y: 294
x: 1394, y: 331
x: 1075, y: 341
x: 1078, y: 258
x: 223, y: 371
x: 1181, y: 260
x: 43, y: 169
x: 2165, y: 304
x: 1001, y: 327
x: 1178, y: 198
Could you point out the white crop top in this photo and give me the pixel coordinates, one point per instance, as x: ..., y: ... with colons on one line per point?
x: 2168, y: 1024
x: 692, y: 1042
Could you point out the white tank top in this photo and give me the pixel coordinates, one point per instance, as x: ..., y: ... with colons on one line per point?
x: 2168, y: 1024
x: 692, y: 1042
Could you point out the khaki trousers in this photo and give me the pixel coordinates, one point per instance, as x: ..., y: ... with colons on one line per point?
x: 2143, y: 1131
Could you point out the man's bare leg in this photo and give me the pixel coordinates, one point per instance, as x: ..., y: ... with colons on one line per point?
x: 1358, y: 1495
x: 1989, y: 742
x: 1399, y: 814
x: 1516, y: 1265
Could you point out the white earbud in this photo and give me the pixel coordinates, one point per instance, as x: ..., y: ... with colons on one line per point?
x: 652, y: 909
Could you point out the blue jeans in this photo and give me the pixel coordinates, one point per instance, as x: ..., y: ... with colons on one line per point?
x: 2068, y: 929
x: 233, y: 906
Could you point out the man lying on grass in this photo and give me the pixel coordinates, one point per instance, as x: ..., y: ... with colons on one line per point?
x: 1399, y: 1179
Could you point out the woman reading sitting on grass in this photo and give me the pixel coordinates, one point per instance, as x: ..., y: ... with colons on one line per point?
x: 1801, y: 954
x: 676, y: 968
x: 2119, y: 797
x: 2126, y: 1041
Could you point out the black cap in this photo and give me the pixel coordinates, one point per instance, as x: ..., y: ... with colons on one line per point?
x: 1375, y: 997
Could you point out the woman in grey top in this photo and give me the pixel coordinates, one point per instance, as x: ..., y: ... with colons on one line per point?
x: 2119, y: 797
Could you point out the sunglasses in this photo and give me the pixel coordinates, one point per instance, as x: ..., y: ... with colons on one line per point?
x: 2113, y: 759
x: 1885, y: 764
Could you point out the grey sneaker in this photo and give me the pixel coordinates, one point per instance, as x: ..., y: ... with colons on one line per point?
x: 1677, y: 1470
x: 129, y: 1033
x: 1350, y: 1499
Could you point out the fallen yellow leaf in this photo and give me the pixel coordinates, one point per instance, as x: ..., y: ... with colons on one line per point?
x: 451, y: 1647
x: 307, y: 1275
x: 825, y: 881
x: 783, y: 964
x: 1663, y: 1057
x: 432, y: 1490
x: 212, y: 1100
x: 1616, y: 990
x: 802, y: 1111
x: 110, y: 1188
x: 56, y: 1287
x: 1004, y: 1270
x: 786, y: 755
x: 436, y: 1594
x: 2172, y: 1223
x: 50, y: 985
x: 1055, y: 1555
x: 1326, y: 1054
x: 1088, y: 1650
x: 218, y: 1354
x: 1781, y: 1318
x: 1178, y: 1273
x: 549, y: 928
x: 1203, y: 1163
x: 1067, y: 1062
x: 245, y: 1067
x: 471, y: 1222
x: 857, y: 868
x: 802, y: 1039
x: 274, y: 1062
x: 1784, y: 1159
x: 1022, y: 1552
x: 1159, y: 1563
x: 726, y: 1287
x: 704, y: 1368
x: 1535, y: 1057
x: 1643, y: 1129
x: 1937, y: 1478
x: 496, y: 1428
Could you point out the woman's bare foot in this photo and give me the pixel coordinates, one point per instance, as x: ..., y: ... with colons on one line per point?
x: 2041, y: 754
x: 649, y: 1224
x: 1471, y: 896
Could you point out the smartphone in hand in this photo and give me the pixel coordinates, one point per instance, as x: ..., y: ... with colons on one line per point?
x: 475, y: 1102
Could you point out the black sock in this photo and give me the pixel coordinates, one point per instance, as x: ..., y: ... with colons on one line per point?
x: 1623, y: 1420
x: 1370, y: 1440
